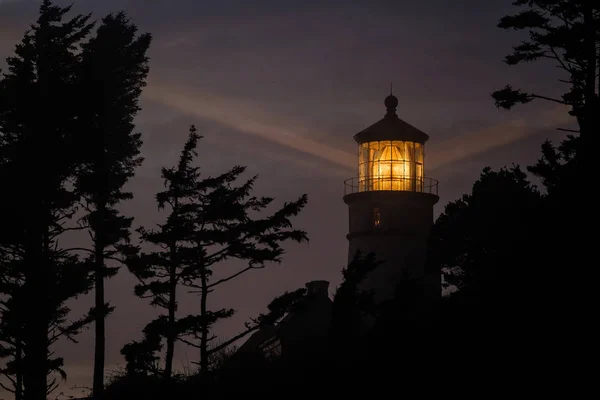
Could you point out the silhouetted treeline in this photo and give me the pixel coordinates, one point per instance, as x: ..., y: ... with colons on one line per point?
x: 210, y: 222
x: 68, y: 146
x: 520, y: 254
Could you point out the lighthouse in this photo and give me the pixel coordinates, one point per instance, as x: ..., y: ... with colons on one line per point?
x: 391, y: 203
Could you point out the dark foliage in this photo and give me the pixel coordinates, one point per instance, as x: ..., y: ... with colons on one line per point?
x: 565, y: 33
x: 38, y: 103
x: 113, y: 69
x: 210, y: 222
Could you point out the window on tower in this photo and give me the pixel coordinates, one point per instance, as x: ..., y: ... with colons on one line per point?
x: 376, y: 217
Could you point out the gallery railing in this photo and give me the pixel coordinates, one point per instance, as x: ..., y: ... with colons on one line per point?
x: 393, y: 184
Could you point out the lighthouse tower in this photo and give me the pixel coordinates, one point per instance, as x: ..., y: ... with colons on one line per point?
x: 391, y: 204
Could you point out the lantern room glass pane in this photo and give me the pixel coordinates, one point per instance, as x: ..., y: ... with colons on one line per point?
x: 363, y: 166
x: 391, y: 165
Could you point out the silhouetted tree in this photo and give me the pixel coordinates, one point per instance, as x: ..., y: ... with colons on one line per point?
x: 113, y: 72
x: 142, y: 356
x: 209, y: 223
x: 37, y: 129
x: 161, y: 271
x: 354, y: 311
x: 490, y: 244
x: 226, y: 230
x: 68, y: 280
x: 351, y: 304
x: 144, y: 376
x: 564, y: 32
x: 488, y: 233
x: 11, y: 335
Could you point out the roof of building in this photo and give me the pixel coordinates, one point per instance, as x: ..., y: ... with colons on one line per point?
x: 257, y: 338
x: 390, y: 127
x: 309, y: 319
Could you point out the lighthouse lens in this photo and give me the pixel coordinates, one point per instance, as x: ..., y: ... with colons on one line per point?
x: 391, y: 165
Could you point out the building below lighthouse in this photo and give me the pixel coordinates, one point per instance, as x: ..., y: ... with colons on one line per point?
x: 390, y: 205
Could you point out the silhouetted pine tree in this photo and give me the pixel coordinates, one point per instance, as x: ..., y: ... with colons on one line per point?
x: 488, y: 242
x: 209, y: 223
x: 161, y: 271
x: 68, y: 278
x: 37, y: 131
x: 228, y: 368
x: 351, y: 304
x: 488, y: 233
x: 142, y: 356
x: 225, y: 230
x: 11, y: 335
x: 354, y: 309
x: 113, y: 72
x: 564, y: 33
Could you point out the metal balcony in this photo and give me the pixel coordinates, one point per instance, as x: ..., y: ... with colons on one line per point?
x: 391, y: 184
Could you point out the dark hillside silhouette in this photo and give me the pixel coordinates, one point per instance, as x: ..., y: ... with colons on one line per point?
x: 318, y: 340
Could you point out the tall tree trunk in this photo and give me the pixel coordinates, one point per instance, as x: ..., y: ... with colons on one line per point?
x: 36, y: 358
x: 100, y: 342
x: 35, y: 362
x: 19, y: 369
x: 171, y: 317
x: 588, y: 131
x: 204, y: 333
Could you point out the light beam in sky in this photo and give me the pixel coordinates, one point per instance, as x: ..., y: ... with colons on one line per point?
x: 252, y: 120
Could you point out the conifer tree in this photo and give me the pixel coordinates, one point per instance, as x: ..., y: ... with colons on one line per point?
x: 351, y: 303
x: 11, y: 336
x: 161, y: 271
x: 209, y: 223
x: 38, y: 99
x: 113, y: 72
x: 565, y: 33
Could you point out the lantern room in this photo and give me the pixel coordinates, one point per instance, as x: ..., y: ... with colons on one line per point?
x: 391, y: 156
x: 390, y: 165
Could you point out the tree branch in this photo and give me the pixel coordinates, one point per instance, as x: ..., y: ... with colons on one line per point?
x: 233, y: 276
x: 562, y: 64
x: 567, y: 130
x: 233, y: 339
x: 10, y: 378
x: 76, y: 249
x: 537, y: 96
x: 6, y: 388
x: 182, y: 340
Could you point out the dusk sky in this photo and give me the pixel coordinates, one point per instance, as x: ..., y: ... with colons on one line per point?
x: 282, y: 86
